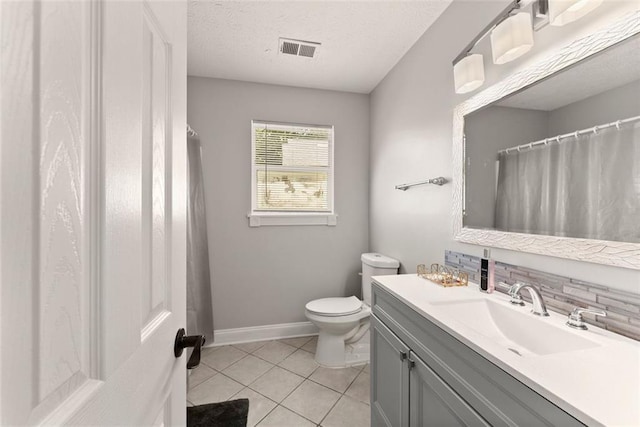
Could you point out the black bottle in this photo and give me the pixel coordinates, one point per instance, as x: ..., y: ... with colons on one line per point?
x: 484, y: 271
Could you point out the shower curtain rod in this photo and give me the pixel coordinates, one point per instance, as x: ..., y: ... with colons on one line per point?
x: 575, y: 134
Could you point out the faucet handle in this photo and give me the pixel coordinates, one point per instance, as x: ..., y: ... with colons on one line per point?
x: 514, y: 289
x: 575, y: 319
x: 504, y: 286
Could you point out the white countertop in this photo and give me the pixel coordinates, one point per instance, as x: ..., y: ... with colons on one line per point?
x: 600, y: 385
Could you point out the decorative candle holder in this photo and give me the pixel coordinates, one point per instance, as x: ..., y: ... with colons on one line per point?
x: 443, y: 275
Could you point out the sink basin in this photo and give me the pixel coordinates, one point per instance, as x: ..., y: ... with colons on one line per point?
x: 517, y: 328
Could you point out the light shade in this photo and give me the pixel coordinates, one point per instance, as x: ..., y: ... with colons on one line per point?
x: 468, y: 73
x: 512, y: 38
x: 562, y: 12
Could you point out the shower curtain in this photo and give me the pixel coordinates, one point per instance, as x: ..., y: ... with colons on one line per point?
x: 586, y: 187
x: 199, y: 302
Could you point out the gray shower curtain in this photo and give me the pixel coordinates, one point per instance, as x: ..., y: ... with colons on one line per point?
x: 199, y: 302
x: 586, y: 187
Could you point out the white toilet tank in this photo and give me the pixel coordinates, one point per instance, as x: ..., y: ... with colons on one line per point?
x: 374, y: 264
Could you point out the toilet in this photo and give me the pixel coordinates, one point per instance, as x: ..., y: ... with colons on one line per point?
x: 344, y: 321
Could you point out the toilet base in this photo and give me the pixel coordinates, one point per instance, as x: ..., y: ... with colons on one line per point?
x: 357, y: 353
x: 332, y: 352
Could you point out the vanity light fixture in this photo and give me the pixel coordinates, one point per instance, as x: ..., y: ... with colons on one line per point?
x: 512, y: 38
x: 511, y: 35
x: 468, y: 69
x: 468, y: 73
x: 562, y: 12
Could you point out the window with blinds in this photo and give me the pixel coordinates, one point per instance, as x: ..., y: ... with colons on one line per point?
x: 292, y: 168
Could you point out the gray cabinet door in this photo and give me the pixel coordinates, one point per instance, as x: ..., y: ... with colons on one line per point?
x: 433, y: 403
x: 389, y: 378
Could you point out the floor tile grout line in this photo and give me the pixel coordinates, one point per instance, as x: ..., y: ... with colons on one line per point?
x: 254, y: 380
x: 191, y: 387
x: 265, y: 342
x: 290, y: 410
x: 354, y: 380
x: 300, y: 415
x: 341, y: 396
x: 271, y: 400
x: 237, y: 361
x: 294, y: 389
x: 207, y: 380
x: 293, y: 372
x: 290, y: 393
x: 262, y: 358
x: 321, y: 385
x: 267, y: 414
x: 330, y: 409
x: 258, y: 356
x: 220, y: 370
x: 249, y: 352
x: 303, y: 344
x: 268, y: 372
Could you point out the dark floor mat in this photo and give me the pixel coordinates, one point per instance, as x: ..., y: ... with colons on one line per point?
x: 228, y: 414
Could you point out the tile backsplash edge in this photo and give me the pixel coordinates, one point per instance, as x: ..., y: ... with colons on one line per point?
x: 562, y: 294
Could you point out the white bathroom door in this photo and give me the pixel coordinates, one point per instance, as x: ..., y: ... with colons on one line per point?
x: 92, y: 212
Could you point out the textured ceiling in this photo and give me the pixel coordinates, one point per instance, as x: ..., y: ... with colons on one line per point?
x: 361, y: 40
x: 612, y: 68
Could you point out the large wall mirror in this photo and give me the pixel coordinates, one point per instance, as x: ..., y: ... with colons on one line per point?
x: 548, y: 161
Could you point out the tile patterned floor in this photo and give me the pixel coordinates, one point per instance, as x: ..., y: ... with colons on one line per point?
x: 284, y: 384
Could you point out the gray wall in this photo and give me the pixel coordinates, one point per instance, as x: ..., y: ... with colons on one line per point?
x: 619, y: 103
x: 266, y: 275
x: 411, y: 137
x: 486, y: 132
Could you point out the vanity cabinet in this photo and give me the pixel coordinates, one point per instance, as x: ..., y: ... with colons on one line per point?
x: 406, y: 392
x: 422, y: 375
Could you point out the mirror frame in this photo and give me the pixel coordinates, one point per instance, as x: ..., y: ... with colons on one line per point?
x: 620, y: 254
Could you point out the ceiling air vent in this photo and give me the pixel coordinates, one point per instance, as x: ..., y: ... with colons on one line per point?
x: 298, y: 47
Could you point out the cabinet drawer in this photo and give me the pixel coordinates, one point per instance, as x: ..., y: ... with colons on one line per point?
x: 498, y: 397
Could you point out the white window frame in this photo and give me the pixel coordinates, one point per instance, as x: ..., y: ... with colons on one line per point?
x: 258, y: 218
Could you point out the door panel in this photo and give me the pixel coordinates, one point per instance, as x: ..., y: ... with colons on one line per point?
x: 92, y: 210
x: 155, y: 127
x: 121, y: 255
x: 61, y: 298
x: 390, y: 378
x: 46, y: 287
x: 433, y: 403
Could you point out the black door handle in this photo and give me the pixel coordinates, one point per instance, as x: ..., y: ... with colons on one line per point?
x: 183, y: 341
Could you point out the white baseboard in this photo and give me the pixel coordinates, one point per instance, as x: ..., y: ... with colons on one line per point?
x: 262, y: 333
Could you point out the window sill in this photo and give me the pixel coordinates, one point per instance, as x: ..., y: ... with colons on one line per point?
x: 270, y: 219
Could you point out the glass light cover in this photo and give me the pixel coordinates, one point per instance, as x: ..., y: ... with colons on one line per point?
x: 562, y: 12
x: 468, y: 73
x: 512, y: 38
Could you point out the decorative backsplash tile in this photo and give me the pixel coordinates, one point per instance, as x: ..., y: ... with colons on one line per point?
x: 562, y: 294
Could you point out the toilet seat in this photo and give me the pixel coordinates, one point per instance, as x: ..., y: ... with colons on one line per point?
x: 334, y: 307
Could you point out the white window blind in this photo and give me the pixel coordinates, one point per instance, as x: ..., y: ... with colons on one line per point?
x: 292, y: 168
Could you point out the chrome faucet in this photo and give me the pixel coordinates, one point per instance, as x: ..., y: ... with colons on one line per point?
x: 539, y: 307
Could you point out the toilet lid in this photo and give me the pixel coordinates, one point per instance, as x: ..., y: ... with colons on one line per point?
x: 335, y: 306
